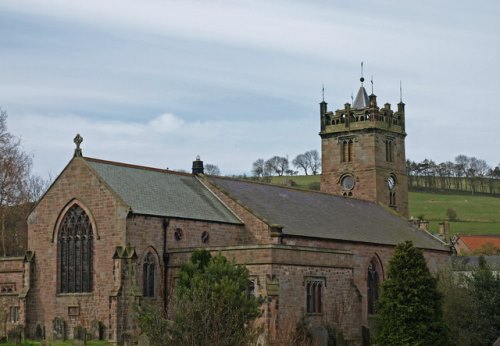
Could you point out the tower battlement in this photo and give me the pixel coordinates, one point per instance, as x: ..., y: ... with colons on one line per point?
x: 371, y: 117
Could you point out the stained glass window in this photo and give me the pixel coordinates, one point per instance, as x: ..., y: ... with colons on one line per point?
x: 148, y: 276
x: 373, y: 286
x: 75, y: 250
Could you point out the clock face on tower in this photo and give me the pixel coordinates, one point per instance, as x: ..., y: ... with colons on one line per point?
x: 391, y: 183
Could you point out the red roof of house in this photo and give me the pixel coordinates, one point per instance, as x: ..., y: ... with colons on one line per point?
x: 474, y: 242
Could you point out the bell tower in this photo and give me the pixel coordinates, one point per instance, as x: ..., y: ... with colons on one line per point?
x: 363, y: 151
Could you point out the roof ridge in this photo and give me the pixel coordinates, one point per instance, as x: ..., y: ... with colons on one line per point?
x: 129, y: 165
x: 480, y: 235
x: 292, y: 188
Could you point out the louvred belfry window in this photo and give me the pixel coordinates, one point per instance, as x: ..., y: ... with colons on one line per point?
x: 75, y: 250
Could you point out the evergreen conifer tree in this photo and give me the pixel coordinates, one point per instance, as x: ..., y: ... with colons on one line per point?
x: 410, y: 306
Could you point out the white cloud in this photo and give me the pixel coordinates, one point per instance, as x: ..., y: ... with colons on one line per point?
x: 164, y: 141
x: 202, y: 58
x: 166, y: 123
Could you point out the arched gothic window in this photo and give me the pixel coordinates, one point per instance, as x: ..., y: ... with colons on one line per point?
x: 148, y: 276
x: 314, y: 287
x: 76, y: 252
x: 373, y: 286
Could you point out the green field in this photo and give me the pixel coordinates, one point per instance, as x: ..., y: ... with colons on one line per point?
x: 475, y: 214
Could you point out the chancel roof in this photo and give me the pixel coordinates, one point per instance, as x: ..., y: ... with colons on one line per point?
x: 321, y: 215
x: 160, y: 192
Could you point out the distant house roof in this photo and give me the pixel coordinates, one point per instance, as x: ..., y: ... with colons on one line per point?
x: 475, y: 242
x: 466, y: 263
x: 160, y: 192
x: 321, y: 215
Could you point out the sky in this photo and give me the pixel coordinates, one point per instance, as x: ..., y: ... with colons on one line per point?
x: 157, y: 82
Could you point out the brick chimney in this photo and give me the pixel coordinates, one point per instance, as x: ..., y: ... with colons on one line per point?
x: 197, y: 166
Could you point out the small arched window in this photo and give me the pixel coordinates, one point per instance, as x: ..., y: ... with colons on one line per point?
x: 389, y: 150
x: 148, y: 276
x: 75, y: 252
x: 347, y: 150
x: 373, y: 286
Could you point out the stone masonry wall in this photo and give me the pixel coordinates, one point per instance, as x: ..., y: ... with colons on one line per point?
x: 368, y: 166
x: 77, y: 183
x: 362, y: 254
x: 11, y: 285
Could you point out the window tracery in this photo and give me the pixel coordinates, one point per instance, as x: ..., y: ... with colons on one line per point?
x: 314, y: 288
x: 75, y: 250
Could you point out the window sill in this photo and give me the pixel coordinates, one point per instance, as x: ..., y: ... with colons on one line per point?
x: 75, y: 294
x: 314, y: 314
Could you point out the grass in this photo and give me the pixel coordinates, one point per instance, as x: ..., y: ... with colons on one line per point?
x: 301, y: 181
x: 475, y: 214
x: 59, y: 343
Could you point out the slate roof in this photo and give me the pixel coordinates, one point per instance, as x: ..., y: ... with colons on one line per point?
x: 361, y: 100
x: 321, y: 215
x: 161, y: 192
x: 464, y: 263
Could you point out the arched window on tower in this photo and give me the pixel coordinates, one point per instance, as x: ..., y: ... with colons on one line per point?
x: 389, y: 150
x: 347, y: 150
x: 148, y: 276
x: 75, y: 252
x: 392, y: 198
x: 373, y: 286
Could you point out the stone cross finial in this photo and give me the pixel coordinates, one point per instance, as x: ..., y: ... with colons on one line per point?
x: 78, y: 140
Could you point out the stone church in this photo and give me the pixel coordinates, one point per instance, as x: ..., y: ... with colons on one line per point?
x: 108, y: 236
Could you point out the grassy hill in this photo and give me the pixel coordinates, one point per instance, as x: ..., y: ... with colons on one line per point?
x: 475, y: 214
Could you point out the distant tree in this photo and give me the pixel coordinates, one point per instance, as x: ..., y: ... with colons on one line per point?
x: 410, y: 307
x: 313, y: 161
x: 15, y: 169
x: 451, y: 214
x: 211, y: 169
x: 258, y: 168
x: 301, y: 162
x: 276, y: 164
x: 485, y: 289
x: 460, y: 311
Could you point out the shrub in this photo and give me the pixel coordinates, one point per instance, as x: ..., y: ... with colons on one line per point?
x: 410, y: 306
x: 451, y: 214
x: 314, y: 186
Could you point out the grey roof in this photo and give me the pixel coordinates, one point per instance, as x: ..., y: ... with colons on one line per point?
x: 361, y: 100
x: 471, y: 262
x: 162, y: 193
x: 321, y: 215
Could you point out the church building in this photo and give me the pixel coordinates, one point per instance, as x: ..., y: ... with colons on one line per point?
x: 108, y: 236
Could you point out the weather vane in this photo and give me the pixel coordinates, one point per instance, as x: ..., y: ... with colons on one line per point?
x: 362, y: 79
